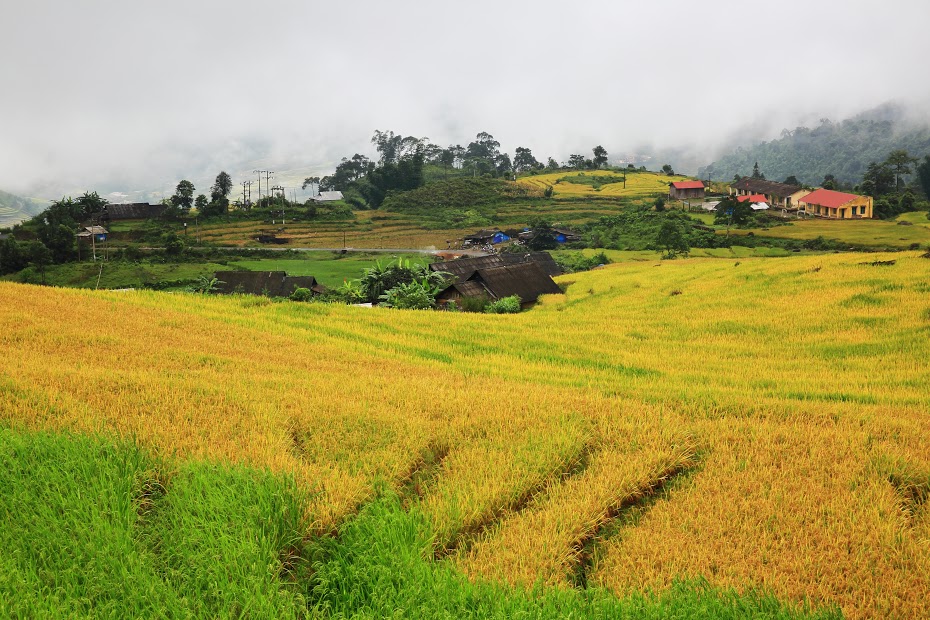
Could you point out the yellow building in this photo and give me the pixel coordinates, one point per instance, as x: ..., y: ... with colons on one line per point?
x: 836, y: 205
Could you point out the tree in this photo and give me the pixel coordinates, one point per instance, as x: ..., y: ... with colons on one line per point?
x: 923, y: 175
x: 552, y: 164
x: 523, y: 160
x: 600, y: 156
x: 312, y: 182
x: 672, y: 239
x: 183, y: 195
x: 543, y: 236
x: 732, y: 211
x: 576, y: 161
x: 878, y: 180
x: 504, y: 166
x: 829, y: 182
x: 756, y: 173
x: 221, y: 186
x: 792, y: 180
x: 200, y: 202
x: 659, y: 204
x: 900, y: 163
x: 89, y: 204
x: 483, y: 153
x: 667, y: 169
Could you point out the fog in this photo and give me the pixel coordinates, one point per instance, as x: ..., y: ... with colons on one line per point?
x: 130, y: 97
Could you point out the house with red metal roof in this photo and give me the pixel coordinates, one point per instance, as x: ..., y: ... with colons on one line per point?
x: 685, y: 190
x: 835, y: 205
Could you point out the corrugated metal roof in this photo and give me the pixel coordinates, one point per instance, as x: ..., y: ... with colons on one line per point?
x: 761, y: 186
x: 688, y: 185
x: 828, y: 198
x: 752, y: 198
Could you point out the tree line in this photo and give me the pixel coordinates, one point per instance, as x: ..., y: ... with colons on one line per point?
x: 402, y: 162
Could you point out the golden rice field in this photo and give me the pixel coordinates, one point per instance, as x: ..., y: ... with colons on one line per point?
x: 762, y: 422
x: 638, y: 184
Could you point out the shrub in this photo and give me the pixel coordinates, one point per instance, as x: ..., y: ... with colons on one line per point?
x: 301, y: 294
x: 505, y: 305
x: 416, y: 295
x: 473, y: 304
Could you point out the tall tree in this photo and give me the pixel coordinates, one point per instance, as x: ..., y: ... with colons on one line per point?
x: 523, y: 160
x: 923, y: 175
x: 183, y: 195
x: 600, y: 156
x: 201, y: 202
x: 900, y: 163
x: 792, y: 180
x: 576, y: 161
x: 312, y: 182
x: 221, y: 186
x: 756, y: 173
x: 552, y: 164
x: 90, y: 204
x: 667, y: 169
x: 829, y: 182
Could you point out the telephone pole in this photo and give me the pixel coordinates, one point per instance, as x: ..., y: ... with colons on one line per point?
x: 267, y: 174
x: 246, y: 198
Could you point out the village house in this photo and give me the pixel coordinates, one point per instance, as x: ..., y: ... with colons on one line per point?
x: 131, y: 211
x: 686, y: 190
x: 836, y: 205
x: 756, y: 201
x: 498, y: 276
x: 778, y: 195
x: 268, y: 283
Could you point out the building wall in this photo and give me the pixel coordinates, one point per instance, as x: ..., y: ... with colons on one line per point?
x: 685, y: 194
x: 851, y: 210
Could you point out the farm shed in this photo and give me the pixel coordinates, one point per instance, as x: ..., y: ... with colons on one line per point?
x: 482, y: 237
x: 561, y: 235
x: 836, y: 205
x: 131, y: 211
x: 269, y: 283
x: 686, y: 190
x: 528, y: 280
x: 780, y: 195
x: 93, y: 233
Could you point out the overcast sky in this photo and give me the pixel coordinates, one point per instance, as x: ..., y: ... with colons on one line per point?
x: 122, y: 95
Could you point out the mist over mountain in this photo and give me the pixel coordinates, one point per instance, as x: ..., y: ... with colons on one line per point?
x: 843, y: 148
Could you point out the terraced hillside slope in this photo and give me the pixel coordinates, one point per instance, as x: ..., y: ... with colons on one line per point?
x: 755, y: 427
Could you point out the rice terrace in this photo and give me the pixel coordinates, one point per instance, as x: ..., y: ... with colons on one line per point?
x: 714, y: 437
x: 328, y: 311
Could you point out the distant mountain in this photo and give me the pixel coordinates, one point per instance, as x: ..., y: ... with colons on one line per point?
x: 15, y: 209
x: 842, y: 149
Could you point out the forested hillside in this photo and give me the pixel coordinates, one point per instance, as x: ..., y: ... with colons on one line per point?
x: 843, y: 149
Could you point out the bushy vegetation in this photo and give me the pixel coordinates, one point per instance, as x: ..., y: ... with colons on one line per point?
x: 570, y: 262
x: 505, y: 305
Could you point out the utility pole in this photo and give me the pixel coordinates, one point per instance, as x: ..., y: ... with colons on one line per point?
x: 267, y: 174
x: 280, y: 189
x: 246, y: 199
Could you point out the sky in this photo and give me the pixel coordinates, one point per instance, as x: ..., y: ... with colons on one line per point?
x: 129, y: 97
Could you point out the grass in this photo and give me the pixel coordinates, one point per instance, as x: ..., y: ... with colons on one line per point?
x: 93, y: 528
x: 330, y: 270
x: 861, y: 233
x: 790, y: 392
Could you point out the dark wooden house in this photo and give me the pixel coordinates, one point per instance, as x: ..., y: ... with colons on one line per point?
x: 131, y: 211
x: 268, y: 283
x: 495, y: 277
x: 779, y: 195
